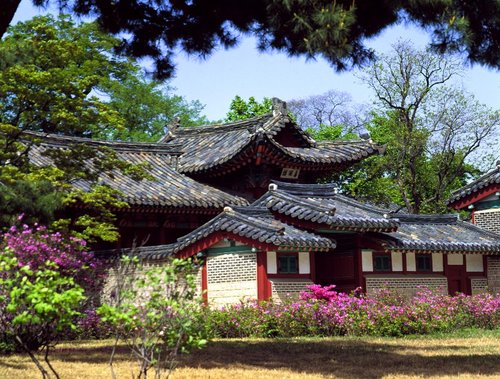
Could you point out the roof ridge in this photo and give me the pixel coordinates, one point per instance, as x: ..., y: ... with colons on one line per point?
x: 321, y: 189
x: 425, y: 218
x: 64, y: 140
x: 313, y: 204
x: 216, y: 128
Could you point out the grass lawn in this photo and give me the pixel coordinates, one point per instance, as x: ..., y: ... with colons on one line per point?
x: 469, y: 354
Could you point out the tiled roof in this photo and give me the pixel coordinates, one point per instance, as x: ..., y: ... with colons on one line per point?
x: 424, y: 233
x: 492, y: 177
x: 251, y: 223
x: 168, y: 189
x: 324, y: 211
x: 442, y: 233
x: 210, y: 146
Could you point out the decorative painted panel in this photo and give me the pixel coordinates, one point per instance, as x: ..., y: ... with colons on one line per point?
x: 410, y: 262
x: 272, y: 268
x: 367, y: 260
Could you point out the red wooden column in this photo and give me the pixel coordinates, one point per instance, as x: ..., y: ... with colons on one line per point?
x: 263, y: 283
x: 204, y: 282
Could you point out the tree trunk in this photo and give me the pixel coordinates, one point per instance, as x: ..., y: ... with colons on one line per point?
x: 7, y: 11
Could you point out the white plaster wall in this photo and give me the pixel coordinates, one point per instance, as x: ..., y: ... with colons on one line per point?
x: 304, y: 263
x: 474, y: 263
x: 271, y: 263
x: 437, y: 262
x: 397, y: 261
x: 367, y: 260
x: 455, y: 259
x: 410, y: 262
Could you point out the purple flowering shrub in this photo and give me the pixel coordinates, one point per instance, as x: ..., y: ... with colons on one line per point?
x: 321, y: 311
x: 35, y: 246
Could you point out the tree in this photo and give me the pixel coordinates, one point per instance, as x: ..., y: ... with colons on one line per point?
x: 330, y: 109
x: 240, y: 109
x: 432, y: 131
x: 154, y: 310
x: 44, y: 282
x: 62, y: 78
x: 147, y: 106
x: 336, y: 30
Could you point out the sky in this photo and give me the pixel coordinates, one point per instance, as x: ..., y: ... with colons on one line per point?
x: 246, y: 72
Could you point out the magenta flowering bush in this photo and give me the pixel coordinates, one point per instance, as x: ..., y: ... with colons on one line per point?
x: 34, y: 246
x: 321, y: 311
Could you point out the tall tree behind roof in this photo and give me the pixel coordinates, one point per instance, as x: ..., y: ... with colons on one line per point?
x: 240, y: 109
x: 59, y: 77
x: 432, y: 129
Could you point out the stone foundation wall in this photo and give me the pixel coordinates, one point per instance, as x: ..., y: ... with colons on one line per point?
x: 488, y: 219
x: 494, y: 274
x: 286, y: 288
x: 231, y: 278
x: 406, y: 285
x: 478, y: 285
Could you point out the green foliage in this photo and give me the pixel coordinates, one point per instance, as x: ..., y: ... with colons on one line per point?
x: 60, y: 77
x: 240, y: 109
x: 432, y: 132
x: 331, y: 133
x: 147, y: 106
x: 36, y: 306
x: 154, y: 310
x: 336, y: 31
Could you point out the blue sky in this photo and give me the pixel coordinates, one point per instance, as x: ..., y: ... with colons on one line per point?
x: 246, y: 72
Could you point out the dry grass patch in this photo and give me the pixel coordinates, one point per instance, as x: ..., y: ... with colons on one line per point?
x: 464, y: 356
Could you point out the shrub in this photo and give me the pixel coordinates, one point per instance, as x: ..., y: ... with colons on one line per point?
x: 153, y: 309
x: 321, y: 311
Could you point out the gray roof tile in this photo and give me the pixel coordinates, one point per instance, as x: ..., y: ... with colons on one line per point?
x: 492, y: 177
x: 206, y: 147
x: 168, y: 189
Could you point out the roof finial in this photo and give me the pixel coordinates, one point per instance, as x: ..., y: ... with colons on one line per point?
x: 173, y: 125
x: 365, y: 134
x: 279, y: 107
x: 273, y: 187
x: 170, y: 130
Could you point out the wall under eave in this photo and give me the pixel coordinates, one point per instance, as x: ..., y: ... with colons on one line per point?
x: 488, y: 219
x: 493, y: 264
x: 231, y: 277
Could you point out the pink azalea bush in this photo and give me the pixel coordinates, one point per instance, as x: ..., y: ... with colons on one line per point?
x: 321, y: 311
x: 33, y: 246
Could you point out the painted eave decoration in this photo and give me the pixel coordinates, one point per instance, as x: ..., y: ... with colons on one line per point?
x: 479, y: 188
x: 252, y: 225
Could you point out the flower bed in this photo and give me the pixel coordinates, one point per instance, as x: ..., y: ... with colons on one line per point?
x: 321, y: 311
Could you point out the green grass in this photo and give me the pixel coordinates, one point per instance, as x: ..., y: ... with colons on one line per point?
x: 469, y: 353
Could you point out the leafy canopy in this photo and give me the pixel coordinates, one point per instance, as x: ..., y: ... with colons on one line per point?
x: 433, y: 130
x: 64, y: 78
x: 335, y: 30
x: 240, y: 109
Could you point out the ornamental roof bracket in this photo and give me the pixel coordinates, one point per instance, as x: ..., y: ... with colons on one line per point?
x: 171, y: 129
x: 279, y: 107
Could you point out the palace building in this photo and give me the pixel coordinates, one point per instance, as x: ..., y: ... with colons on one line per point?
x: 244, y: 195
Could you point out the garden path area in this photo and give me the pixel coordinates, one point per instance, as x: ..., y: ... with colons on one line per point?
x: 469, y: 354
